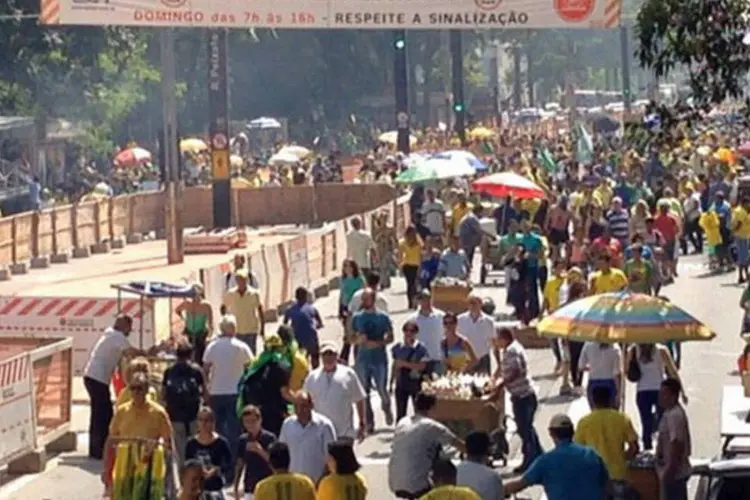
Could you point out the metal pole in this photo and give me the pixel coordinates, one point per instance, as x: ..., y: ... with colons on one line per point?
x: 457, y: 63
x: 569, y: 85
x: 218, y: 126
x: 401, y: 87
x: 627, y: 98
x: 495, y: 83
x: 175, y: 250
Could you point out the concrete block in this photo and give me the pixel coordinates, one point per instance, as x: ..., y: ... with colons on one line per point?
x: 270, y: 315
x: 4, y: 274
x: 32, y: 463
x: 100, y: 248
x: 65, y: 443
x: 81, y: 253
x: 39, y: 263
x: 19, y: 268
x: 60, y: 258
x: 134, y: 239
x: 321, y: 291
x: 117, y: 243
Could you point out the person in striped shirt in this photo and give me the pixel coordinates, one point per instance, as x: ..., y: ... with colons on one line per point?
x: 618, y: 220
x: 512, y: 375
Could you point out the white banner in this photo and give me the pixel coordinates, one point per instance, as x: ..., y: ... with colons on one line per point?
x: 338, y: 14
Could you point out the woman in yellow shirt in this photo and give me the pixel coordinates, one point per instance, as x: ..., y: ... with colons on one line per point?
x: 344, y: 482
x: 410, y: 257
x: 137, y: 365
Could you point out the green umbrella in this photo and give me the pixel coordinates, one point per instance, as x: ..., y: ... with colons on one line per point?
x: 434, y: 169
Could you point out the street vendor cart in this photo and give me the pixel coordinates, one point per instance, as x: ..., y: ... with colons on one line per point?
x: 156, y: 303
x: 451, y: 295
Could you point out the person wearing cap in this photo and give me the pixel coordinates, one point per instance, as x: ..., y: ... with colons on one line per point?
x: 335, y: 389
x: 243, y: 302
x: 475, y: 473
x: 567, y: 468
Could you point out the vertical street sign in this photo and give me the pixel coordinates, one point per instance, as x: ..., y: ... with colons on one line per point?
x: 218, y: 126
x: 401, y: 83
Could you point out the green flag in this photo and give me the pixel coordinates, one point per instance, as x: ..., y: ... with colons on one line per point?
x: 545, y: 158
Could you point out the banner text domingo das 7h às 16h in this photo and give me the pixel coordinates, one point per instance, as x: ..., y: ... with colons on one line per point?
x: 336, y: 14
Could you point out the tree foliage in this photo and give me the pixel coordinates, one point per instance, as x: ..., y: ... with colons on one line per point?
x: 704, y: 38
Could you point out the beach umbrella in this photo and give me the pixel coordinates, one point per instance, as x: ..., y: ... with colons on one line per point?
x: 459, y: 155
x: 132, y: 157
x: 293, y: 150
x: 193, y: 145
x: 433, y: 169
x: 264, y: 123
x: 623, y: 317
x: 392, y: 138
x: 507, y: 184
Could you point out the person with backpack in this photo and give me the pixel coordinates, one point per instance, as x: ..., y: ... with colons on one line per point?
x: 265, y: 384
x: 182, y: 387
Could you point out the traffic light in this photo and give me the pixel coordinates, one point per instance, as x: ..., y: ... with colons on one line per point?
x: 458, y: 107
x: 399, y: 43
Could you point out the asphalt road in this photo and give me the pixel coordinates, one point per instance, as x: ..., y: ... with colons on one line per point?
x: 706, y: 368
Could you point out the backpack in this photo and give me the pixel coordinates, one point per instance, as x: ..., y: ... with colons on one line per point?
x: 182, y: 396
x: 254, y: 387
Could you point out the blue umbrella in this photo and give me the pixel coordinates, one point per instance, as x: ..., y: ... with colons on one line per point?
x: 458, y: 155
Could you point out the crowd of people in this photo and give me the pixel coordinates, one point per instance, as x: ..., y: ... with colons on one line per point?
x: 287, y: 417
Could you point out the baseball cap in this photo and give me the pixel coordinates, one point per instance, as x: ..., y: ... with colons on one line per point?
x: 561, y: 421
x: 329, y: 346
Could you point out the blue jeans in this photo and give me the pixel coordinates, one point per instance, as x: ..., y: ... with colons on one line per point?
x: 675, y: 350
x: 650, y: 413
x: 369, y: 372
x: 224, y: 407
x: 524, y: 410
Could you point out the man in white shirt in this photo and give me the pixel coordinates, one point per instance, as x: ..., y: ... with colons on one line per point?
x: 224, y: 363
x: 430, y: 323
x: 474, y: 473
x: 373, y: 283
x: 307, y: 434
x: 360, y: 247
x: 479, y: 328
x: 433, y: 212
x: 101, y: 366
x: 604, y: 364
x: 334, y: 390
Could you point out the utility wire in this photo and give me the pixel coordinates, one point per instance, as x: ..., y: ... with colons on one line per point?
x: 17, y: 17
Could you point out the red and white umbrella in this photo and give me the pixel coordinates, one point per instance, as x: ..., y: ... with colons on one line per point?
x: 507, y: 184
x: 132, y: 157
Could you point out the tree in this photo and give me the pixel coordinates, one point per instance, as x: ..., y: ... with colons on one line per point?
x: 704, y: 38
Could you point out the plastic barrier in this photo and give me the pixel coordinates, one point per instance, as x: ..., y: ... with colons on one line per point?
x: 83, y: 319
x: 18, y: 433
x: 35, y: 399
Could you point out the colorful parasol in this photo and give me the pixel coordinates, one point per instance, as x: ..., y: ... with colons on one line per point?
x: 433, y: 169
x: 293, y: 150
x: 507, y: 184
x: 193, y: 145
x: 132, y: 157
x: 623, y: 317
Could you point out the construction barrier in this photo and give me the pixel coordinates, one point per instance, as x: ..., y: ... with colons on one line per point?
x: 62, y: 229
x: 35, y: 397
x: 311, y: 259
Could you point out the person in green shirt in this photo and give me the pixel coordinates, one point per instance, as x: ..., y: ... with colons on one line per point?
x: 640, y: 272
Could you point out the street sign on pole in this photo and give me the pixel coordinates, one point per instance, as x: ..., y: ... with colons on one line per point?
x: 459, y: 107
x: 218, y: 126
